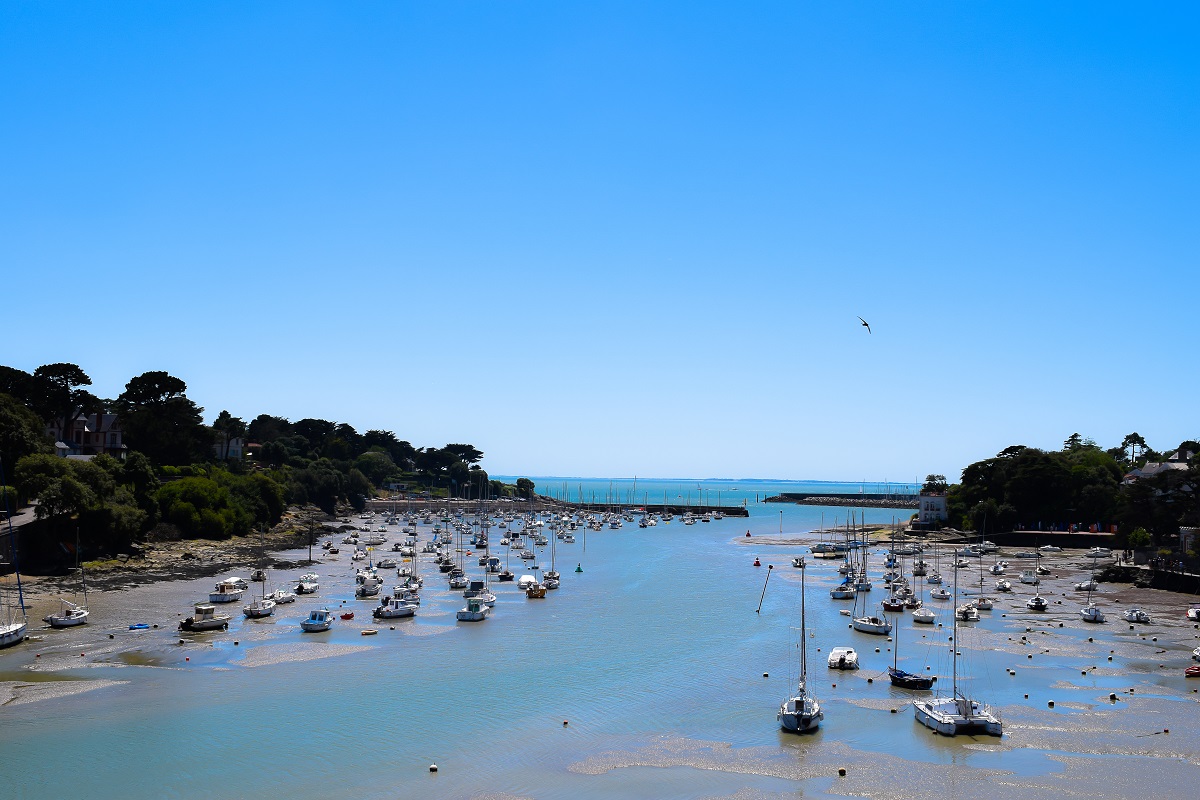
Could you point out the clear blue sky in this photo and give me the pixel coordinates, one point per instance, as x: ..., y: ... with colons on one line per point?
x: 619, y: 238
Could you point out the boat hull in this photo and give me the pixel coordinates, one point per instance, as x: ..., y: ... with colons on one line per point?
x: 13, y: 634
x: 951, y: 717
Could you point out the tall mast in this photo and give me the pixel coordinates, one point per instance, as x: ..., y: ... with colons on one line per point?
x: 803, y: 631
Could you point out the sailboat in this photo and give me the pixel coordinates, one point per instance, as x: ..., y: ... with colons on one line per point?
x: 13, y: 622
x: 956, y: 714
x: 1091, y: 612
x: 801, y: 711
x: 902, y: 679
x: 261, y: 606
x: 71, y: 614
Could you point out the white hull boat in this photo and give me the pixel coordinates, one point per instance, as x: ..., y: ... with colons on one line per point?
x: 205, y: 618
x: 1136, y: 615
x: 874, y: 625
x: 843, y: 658
x: 951, y: 716
x: 924, y: 616
x: 68, y: 616
x: 1091, y: 613
x: 261, y: 607
x: 319, y: 619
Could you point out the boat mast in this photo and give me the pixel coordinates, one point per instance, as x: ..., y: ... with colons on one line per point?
x: 803, y: 631
x: 954, y: 648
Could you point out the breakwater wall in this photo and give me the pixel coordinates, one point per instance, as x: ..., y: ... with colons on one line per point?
x: 655, y: 508
x: 854, y: 500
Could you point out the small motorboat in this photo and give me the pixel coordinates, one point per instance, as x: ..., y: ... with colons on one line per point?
x: 940, y: 593
x: 1192, y: 672
x: 227, y: 591
x: 536, y: 591
x: 395, y: 608
x: 1136, y: 615
x: 319, y: 619
x: 206, y: 618
x: 1089, y: 585
x: 843, y: 658
x: 967, y: 613
x: 348, y: 615
x: 1003, y: 585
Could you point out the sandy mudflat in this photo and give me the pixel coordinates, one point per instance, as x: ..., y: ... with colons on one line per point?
x: 15, y: 693
x: 293, y: 652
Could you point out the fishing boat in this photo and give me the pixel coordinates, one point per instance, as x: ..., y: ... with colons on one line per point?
x: 801, y: 712
x: 227, y: 591
x: 205, y: 618
x: 536, y: 590
x: 843, y: 658
x: 967, y: 613
x: 956, y: 714
x: 394, y: 608
x: 319, y: 619
x: 475, y: 611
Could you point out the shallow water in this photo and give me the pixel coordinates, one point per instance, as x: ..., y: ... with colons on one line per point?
x: 654, y: 655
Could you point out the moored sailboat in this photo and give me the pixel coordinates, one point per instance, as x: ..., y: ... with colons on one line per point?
x: 957, y: 713
x: 801, y: 712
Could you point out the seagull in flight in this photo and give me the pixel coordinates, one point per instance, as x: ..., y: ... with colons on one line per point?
x: 865, y: 325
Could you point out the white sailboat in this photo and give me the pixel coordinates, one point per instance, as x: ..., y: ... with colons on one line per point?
x: 13, y: 622
x: 956, y: 714
x: 71, y: 614
x: 1091, y: 612
x: 801, y: 711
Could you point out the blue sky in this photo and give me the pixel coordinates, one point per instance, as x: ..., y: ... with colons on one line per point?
x: 619, y: 238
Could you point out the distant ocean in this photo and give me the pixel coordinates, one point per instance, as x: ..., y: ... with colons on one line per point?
x: 694, y: 491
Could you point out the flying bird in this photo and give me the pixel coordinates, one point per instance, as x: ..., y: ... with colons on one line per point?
x: 865, y: 325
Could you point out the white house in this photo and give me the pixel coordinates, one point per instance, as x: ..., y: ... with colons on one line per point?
x: 931, y: 508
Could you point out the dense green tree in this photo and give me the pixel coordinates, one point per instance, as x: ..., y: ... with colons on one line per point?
x: 266, y: 428
x: 17, y: 383
x: 525, y: 487
x: 465, y: 453
x: 57, y: 394
x: 21, y: 434
x: 1132, y: 443
x: 935, y: 483
x: 160, y: 420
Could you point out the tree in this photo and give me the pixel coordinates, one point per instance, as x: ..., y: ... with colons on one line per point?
x: 266, y: 428
x: 228, y: 428
x: 17, y: 383
x: 160, y: 421
x: 935, y: 484
x: 1131, y: 444
x: 1140, y: 538
x: 525, y: 487
x: 465, y: 452
x: 1073, y: 442
x: 57, y: 395
x: 21, y: 434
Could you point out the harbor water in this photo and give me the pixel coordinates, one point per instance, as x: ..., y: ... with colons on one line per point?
x: 652, y: 672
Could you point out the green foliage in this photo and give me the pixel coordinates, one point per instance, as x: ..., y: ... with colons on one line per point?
x: 1140, y: 538
x: 21, y: 433
x: 160, y: 421
x: 525, y: 487
x: 935, y: 483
